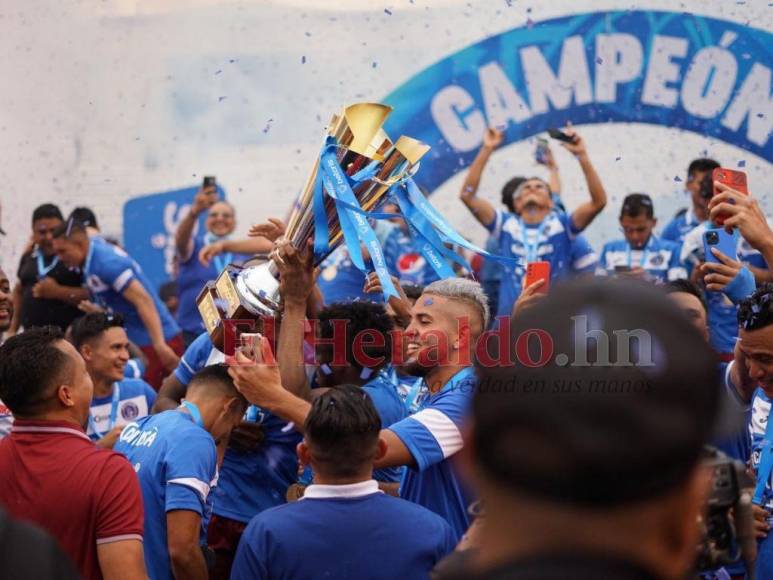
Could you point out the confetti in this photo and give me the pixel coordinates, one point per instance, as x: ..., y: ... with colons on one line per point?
x: 374, y: 65
x: 677, y: 179
x: 599, y: 60
x: 529, y: 23
x: 268, y: 126
x: 217, y: 72
x: 232, y: 60
x: 387, y: 11
x: 303, y: 60
x: 221, y: 99
x: 307, y: 33
x: 742, y: 163
x: 428, y: 302
x: 618, y: 158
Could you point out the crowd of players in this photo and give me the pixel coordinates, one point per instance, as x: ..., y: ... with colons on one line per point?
x: 281, y: 462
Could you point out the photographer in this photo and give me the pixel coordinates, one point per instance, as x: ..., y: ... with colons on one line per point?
x: 580, y: 480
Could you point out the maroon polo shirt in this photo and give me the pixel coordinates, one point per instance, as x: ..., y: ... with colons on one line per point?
x: 55, y: 477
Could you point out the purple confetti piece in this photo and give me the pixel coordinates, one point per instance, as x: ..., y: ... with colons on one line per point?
x: 677, y: 179
x: 428, y: 302
x: 374, y: 65
x: 599, y: 60
x: 307, y: 33
x: 217, y: 72
x: 742, y: 163
x: 303, y: 60
x: 618, y: 158
x: 232, y: 60
x: 387, y: 11
x: 221, y: 99
x: 760, y: 115
x: 268, y: 126
x: 529, y: 23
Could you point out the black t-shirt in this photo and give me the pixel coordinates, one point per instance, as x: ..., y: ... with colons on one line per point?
x: 39, y: 311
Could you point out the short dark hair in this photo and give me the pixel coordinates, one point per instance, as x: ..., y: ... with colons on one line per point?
x: 342, y: 430
x: 46, y: 211
x: 31, y: 365
x: 85, y: 216
x: 682, y: 285
x: 214, y: 379
x: 509, y: 190
x: 92, y: 325
x: 413, y: 291
x: 756, y: 311
x: 702, y: 164
x: 68, y: 228
x: 361, y: 316
x: 637, y: 204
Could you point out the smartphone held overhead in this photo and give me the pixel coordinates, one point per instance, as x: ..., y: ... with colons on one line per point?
x: 734, y: 180
x: 538, y: 271
x: 561, y: 136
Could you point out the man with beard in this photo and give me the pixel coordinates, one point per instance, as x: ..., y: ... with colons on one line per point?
x: 641, y: 253
x: 535, y: 231
x: 48, y: 292
x: 446, y: 322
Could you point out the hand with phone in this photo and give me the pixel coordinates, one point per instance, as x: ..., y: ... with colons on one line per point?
x: 720, y: 270
x: 740, y: 210
x: 205, y: 197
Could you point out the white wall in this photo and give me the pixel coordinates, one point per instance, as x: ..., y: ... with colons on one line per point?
x: 104, y: 100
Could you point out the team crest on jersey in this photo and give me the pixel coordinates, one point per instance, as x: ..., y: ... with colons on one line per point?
x: 656, y: 260
x: 410, y: 263
x: 95, y: 284
x: 130, y: 411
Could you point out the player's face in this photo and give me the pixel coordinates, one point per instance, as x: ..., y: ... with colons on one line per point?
x: 71, y: 251
x: 220, y: 219
x: 534, y: 201
x: 6, y: 305
x: 637, y: 230
x: 757, y: 346
x: 108, y: 354
x: 43, y: 234
x: 693, y: 185
x: 430, y: 336
x: 693, y: 309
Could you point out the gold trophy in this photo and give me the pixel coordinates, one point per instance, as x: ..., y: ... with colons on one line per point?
x: 252, y: 292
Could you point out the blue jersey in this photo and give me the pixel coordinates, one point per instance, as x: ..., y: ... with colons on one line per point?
x: 343, y: 532
x: 549, y: 241
x: 192, y: 277
x: 722, y: 313
x: 584, y: 259
x: 176, y: 463
x: 411, y: 390
x: 108, y: 271
x: 433, y: 435
x: 340, y: 281
x: 249, y: 481
x: 659, y: 258
x: 682, y: 224
x: 405, y: 260
x: 130, y: 400
x: 760, y: 414
x: 134, y: 369
x: 391, y: 409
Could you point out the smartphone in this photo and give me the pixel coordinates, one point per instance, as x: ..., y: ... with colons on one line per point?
x: 733, y: 179
x: 538, y: 271
x: 541, y: 152
x: 560, y: 136
x: 721, y: 240
x: 622, y: 269
x: 209, y: 181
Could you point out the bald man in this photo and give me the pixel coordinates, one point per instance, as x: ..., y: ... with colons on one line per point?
x: 202, y: 256
x: 446, y: 323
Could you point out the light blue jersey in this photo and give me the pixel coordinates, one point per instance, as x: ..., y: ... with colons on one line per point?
x: 659, y: 258
x: 433, y: 435
x: 108, y: 271
x: 176, y: 463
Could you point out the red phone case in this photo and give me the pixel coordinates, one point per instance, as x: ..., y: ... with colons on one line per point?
x: 538, y: 271
x: 734, y: 179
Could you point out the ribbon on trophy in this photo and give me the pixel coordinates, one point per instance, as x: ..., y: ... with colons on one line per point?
x: 353, y: 219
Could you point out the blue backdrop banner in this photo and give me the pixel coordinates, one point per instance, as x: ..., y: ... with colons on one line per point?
x: 674, y: 69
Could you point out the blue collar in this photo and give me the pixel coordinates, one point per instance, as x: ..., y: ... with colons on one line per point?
x: 89, y: 254
x: 465, y: 378
x: 194, y: 412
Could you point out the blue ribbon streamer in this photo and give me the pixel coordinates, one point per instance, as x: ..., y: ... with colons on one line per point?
x: 354, y: 225
x: 446, y: 231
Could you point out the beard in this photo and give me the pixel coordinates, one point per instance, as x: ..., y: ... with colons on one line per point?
x: 418, y: 368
